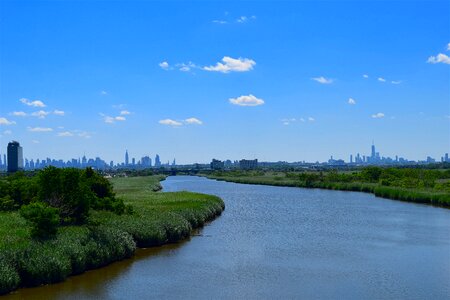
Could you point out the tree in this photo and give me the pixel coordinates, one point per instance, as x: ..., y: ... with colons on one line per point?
x: 43, y: 218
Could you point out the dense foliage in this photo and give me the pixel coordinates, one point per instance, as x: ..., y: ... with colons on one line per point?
x: 58, y: 197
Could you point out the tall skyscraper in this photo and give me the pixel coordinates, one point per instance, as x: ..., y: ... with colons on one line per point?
x: 15, y: 157
x: 157, y: 161
x: 126, y: 158
x: 373, y: 154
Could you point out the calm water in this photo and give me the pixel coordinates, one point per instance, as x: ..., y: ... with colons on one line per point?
x: 281, y: 242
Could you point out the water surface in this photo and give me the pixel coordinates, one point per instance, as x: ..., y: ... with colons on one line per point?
x: 282, y: 242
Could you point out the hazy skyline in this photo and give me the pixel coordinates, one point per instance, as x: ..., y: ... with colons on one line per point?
x: 275, y: 81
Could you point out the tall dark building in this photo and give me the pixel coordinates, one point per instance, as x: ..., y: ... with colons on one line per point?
x: 15, y: 157
x: 126, y: 158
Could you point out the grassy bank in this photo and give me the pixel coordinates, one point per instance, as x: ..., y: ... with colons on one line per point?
x: 434, y: 194
x: 157, y: 218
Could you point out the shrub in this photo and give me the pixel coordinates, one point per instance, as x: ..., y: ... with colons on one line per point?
x: 7, y: 204
x: 44, y: 219
x: 9, y: 278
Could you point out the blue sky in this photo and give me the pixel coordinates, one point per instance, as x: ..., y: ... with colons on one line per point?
x: 228, y: 80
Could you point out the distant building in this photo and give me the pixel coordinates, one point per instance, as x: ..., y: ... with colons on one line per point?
x: 146, y: 162
x: 15, y: 157
x: 126, y: 158
x: 248, y: 164
x: 217, y: 164
x: 157, y: 161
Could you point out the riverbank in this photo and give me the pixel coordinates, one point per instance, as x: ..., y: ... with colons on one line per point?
x: 157, y: 219
x: 416, y: 195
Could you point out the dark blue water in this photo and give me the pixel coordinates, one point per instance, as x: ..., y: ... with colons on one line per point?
x: 281, y: 242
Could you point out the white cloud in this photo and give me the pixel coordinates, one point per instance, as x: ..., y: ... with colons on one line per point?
x: 186, y: 67
x: 35, y: 141
x: 39, y: 129
x: 18, y: 114
x: 381, y: 79
x: 302, y: 120
x: 351, y: 101
x: 378, y: 115
x: 311, y: 119
x: 193, y: 121
x: 448, y: 47
x: 242, y: 19
x: 396, y: 81
x: 170, y: 122
x: 366, y: 76
x: 220, y: 22
x: 40, y: 114
x: 110, y: 120
x: 107, y: 119
x: 440, y: 58
x: 288, y: 121
x: 35, y: 103
x: 59, y: 112
x: 125, y: 112
x: 249, y: 100
x: 103, y: 93
x: 323, y: 80
x: 7, y: 132
x: 232, y: 65
x: 65, y: 134
x: 164, y: 65
x: 5, y: 121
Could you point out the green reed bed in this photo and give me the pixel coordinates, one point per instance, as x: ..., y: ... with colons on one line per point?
x: 157, y: 218
x: 438, y: 197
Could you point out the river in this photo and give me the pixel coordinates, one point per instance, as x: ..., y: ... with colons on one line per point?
x: 282, y: 242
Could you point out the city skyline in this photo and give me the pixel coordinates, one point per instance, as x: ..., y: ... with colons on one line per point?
x: 145, y: 162
x: 228, y: 80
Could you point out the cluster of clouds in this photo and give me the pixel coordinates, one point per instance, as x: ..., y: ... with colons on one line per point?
x: 41, y: 114
x: 74, y: 133
x: 175, y: 123
x: 289, y: 121
x: 240, y: 20
x: 226, y: 65
x: 325, y: 80
x: 61, y: 133
x: 440, y: 58
x: 382, y: 79
x: 120, y: 118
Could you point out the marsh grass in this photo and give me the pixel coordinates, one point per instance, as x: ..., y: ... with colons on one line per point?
x: 423, y: 195
x: 157, y: 218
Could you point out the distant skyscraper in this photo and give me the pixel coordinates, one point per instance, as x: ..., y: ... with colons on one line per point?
x: 373, y: 154
x: 15, y: 157
x: 157, y: 161
x: 126, y: 158
x: 351, y: 158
